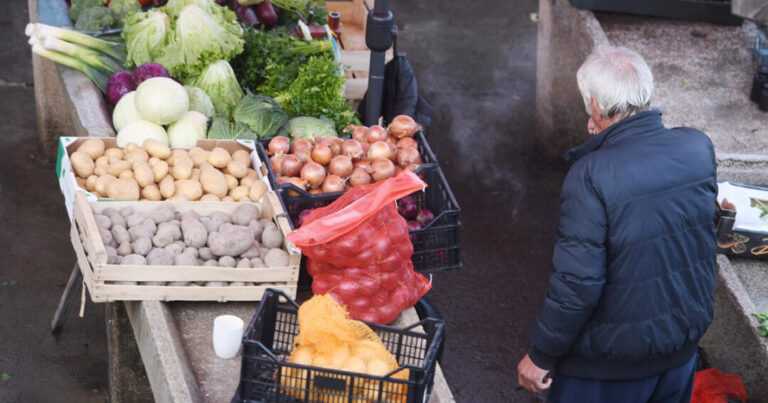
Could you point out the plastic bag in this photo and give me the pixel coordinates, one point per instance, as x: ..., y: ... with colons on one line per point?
x: 713, y: 386
x: 359, y: 250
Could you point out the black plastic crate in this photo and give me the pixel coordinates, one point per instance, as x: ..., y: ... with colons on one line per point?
x: 267, y: 376
x: 715, y: 11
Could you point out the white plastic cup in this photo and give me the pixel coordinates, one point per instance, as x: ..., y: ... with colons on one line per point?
x: 227, y: 335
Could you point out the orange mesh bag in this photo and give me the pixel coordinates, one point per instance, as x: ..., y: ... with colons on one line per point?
x: 359, y: 250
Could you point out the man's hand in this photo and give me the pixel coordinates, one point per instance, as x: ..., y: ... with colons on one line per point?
x: 531, y: 377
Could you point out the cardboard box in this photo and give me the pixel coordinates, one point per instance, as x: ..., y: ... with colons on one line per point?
x: 68, y: 145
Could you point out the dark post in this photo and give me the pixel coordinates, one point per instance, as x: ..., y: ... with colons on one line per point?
x: 378, y: 38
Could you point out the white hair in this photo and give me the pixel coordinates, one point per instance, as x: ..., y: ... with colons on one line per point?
x: 618, y: 79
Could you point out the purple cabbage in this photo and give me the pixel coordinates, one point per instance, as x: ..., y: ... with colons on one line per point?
x: 149, y: 70
x: 119, y: 84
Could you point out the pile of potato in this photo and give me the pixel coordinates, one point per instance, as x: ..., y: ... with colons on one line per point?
x: 166, y: 237
x: 155, y: 172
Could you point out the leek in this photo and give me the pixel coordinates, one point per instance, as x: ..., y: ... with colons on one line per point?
x: 112, y: 49
x: 98, y: 78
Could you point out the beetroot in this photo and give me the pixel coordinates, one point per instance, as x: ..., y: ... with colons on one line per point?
x: 119, y: 84
x: 267, y: 13
x: 407, y: 207
x: 149, y: 70
x: 425, y: 217
x: 247, y: 16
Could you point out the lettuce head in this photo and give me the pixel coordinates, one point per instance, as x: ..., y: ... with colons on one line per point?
x: 219, y: 82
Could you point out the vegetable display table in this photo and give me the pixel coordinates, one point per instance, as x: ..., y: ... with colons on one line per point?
x: 174, y: 339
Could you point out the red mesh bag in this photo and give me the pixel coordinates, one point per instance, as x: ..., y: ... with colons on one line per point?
x: 359, y: 250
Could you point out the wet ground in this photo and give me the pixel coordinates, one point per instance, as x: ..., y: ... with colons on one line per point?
x: 475, y: 63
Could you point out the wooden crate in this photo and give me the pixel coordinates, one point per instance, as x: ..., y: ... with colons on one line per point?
x: 354, y: 55
x: 100, y: 277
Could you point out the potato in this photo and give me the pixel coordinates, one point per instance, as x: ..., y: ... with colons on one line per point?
x: 276, y: 258
x: 189, y: 188
x: 101, y: 169
x: 231, y: 181
x: 160, y: 170
x: 227, y: 261
x: 159, y: 257
x: 102, y: 160
x: 176, y: 154
x: 116, y: 167
x: 167, y: 187
x: 182, y: 168
x: 90, y: 183
x: 151, y: 192
x: 143, y: 174
x: 247, y: 181
x: 123, y: 189
x: 81, y: 182
x: 199, y: 156
x: 230, y: 240
x: 178, y: 198
x: 271, y: 237
x: 214, y: 182
x: 194, y: 233
x: 114, y: 153
x: 156, y: 149
x: 257, y: 190
x: 243, y: 156
x: 219, y: 157
x: 93, y: 147
x: 101, y: 183
x: 130, y: 147
x: 227, y: 199
x: 210, y: 198
x: 239, y: 193
x: 127, y: 174
x: 237, y: 169
x: 137, y: 155
x: 205, y: 165
x: 82, y: 164
x: 245, y: 213
x: 195, y: 174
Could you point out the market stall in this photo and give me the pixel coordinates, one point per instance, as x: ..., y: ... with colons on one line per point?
x: 234, y: 144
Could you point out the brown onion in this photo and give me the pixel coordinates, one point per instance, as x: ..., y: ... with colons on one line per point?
x: 403, y: 126
x: 334, y: 143
x: 392, y: 151
x: 352, y: 148
x: 413, y: 167
x: 359, y: 177
x: 304, y: 156
x: 276, y: 162
x: 408, y: 156
x: 341, y: 166
x: 279, y: 145
x: 378, y: 150
x: 359, y: 133
x: 282, y: 179
x: 398, y: 169
x: 332, y: 183
x: 407, y: 142
x: 321, y: 154
x: 291, y: 165
x: 299, y: 183
x: 301, y: 145
x: 382, y: 169
x: 376, y: 133
x: 313, y: 173
x: 315, y: 191
x: 364, y: 164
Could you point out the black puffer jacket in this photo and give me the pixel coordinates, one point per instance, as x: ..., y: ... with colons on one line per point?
x: 634, y: 264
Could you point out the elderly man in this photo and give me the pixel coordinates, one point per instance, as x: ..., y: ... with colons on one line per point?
x: 634, y: 264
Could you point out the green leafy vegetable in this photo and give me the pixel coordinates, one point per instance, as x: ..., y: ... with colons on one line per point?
x: 261, y: 114
x: 122, y: 8
x: 309, y: 128
x: 200, y: 101
x: 173, y: 9
x: 219, y: 82
x: 224, y: 129
x: 315, y: 8
x: 145, y: 36
x: 763, y: 318
x: 77, y: 6
x: 94, y: 19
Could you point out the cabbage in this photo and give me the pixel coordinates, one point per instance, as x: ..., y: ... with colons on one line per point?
x: 219, y: 82
x: 161, y: 100
x: 173, y: 9
x: 261, y: 114
x: 122, y: 8
x: 94, y: 19
x: 199, y: 101
x: 145, y: 36
x: 224, y: 129
x: 307, y: 127
x: 198, y: 39
x: 140, y: 130
x: 185, y: 132
x: 125, y: 111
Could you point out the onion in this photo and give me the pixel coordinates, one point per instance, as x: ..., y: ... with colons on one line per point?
x: 321, y: 154
x: 376, y: 133
x: 313, y: 173
x: 382, y: 169
x: 341, y: 166
x: 392, y: 151
x: 408, y: 156
x: 379, y: 150
x: 300, y: 145
x: 359, y: 133
x: 398, y: 169
x: 407, y: 142
x: 302, y: 216
x: 414, y: 225
x: 276, y: 162
x: 407, y: 207
x: 333, y: 183
x: 334, y: 143
x: 364, y: 164
x: 352, y: 148
x: 282, y: 179
x: 291, y: 165
x: 425, y: 217
x: 304, y: 156
x: 279, y: 145
x: 315, y: 191
x: 359, y: 177
x: 299, y: 183
x: 413, y: 167
x: 403, y: 126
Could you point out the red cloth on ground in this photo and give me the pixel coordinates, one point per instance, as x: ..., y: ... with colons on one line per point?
x: 713, y: 386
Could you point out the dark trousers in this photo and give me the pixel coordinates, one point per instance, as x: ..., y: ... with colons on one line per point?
x: 673, y: 386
